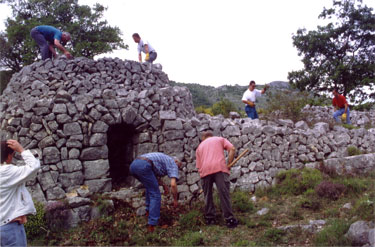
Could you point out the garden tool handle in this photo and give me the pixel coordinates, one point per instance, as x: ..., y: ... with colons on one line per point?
x: 239, y: 157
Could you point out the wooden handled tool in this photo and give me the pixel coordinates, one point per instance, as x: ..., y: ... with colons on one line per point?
x: 239, y: 157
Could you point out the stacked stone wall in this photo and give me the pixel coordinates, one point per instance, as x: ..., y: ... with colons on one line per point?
x: 61, y: 110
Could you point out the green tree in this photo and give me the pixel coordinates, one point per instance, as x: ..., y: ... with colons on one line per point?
x: 340, y: 54
x: 91, y: 35
x: 223, y: 107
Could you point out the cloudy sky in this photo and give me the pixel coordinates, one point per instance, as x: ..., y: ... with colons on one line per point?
x: 215, y: 42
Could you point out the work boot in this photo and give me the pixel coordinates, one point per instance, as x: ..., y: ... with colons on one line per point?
x: 232, y: 223
x: 150, y: 228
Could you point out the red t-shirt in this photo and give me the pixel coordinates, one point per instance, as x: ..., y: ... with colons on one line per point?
x: 210, y: 157
x: 339, y: 101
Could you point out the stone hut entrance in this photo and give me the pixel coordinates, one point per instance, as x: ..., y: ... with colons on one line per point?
x: 120, y: 154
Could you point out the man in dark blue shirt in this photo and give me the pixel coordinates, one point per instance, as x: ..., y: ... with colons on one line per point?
x: 146, y: 168
x: 47, y: 38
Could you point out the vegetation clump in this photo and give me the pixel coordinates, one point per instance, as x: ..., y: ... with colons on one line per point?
x: 330, y: 190
x: 296, y: 181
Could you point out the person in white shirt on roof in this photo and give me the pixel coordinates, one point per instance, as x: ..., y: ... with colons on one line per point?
x: 249, y: 98
x: 145, y: 47
x: 15, y: 201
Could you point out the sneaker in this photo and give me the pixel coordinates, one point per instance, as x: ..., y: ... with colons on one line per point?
x: 232, y: 223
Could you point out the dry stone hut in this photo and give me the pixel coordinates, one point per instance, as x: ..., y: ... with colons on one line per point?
x: 87, y: 120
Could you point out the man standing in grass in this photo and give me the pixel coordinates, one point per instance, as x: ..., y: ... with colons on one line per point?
x: 249, y: 98
x: 148, y: 169
x: 212, y: 168
x: 341, y: 106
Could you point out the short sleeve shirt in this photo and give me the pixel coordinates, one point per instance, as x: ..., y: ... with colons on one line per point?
x: 339, y: 101
x: 251, y: 95
x: 210, y: 157
x: 50, y: 33
x: 141, y: 46
x: 163, y: 164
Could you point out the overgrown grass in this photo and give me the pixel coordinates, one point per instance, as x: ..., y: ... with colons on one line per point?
x: 185, y: 226
x: 333, y: 234
x: 296, y: 181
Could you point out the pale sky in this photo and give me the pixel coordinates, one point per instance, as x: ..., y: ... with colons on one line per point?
x: 215, y: 42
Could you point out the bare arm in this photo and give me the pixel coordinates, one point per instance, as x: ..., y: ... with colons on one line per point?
x: 174, y: 191
x: 62, y: 48
x: 52, y: 49
x: 140, y: 57
x: 232, y: 151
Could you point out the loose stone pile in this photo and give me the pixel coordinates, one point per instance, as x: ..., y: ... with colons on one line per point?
x: 63, y: 111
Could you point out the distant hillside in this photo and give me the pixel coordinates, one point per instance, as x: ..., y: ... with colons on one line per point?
x: 208, y: 95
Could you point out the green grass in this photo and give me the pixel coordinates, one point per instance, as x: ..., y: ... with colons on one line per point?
x: 185, y: 225
x: 352, y: 151
x: 333, y: 234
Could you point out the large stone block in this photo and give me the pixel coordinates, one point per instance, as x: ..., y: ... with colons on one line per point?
x: 72, y: 129
x: 94, y: 153
x: 96, y: 169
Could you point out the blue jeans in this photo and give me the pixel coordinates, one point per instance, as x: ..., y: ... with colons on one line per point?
x: 42, y: 43
x: 13, y: 234
x: 341, y: 111
x: 142, y: 170
x: 251, y: 112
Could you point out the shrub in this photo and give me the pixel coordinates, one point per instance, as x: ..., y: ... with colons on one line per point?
x: 333, y: 235
x: 286, y: 104
x: 352, y: 151
x: 296, y: 182
x: 36, y: 224
x: 310, y: 203
x: 364, y: 208
x: 223, y: 107
x: 330, y: 190
x: 190, y: 239
x: 354, y: 185
x: 241, y: 202
x: 204, y: 109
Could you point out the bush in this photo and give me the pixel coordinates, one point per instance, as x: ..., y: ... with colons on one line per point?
x: 354, y: 185
x: 190, y: 239
x: 286, y: 104
x: 310, y: 203
x: 204, y: 109
x: 330, y: 190
x: 333, y: 235
x: 352, y: 151
x: 364, y: 208
x: 241, y: 202
x: 296, y: 182
x: 273, y: 236
x: 223, y: 107
x: 36, y: 224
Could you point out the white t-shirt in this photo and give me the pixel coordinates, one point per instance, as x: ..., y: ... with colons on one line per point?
x: 141, y: 46
x: 251, y: 95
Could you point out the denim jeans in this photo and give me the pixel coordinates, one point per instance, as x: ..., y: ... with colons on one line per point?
x: 142, y: 170
x: 152, y: 57
x: 341, y: 111
x: 251, y: 112
x: 13, y: 234
x: 42, y: 43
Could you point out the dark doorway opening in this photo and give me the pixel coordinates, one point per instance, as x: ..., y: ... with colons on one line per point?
x: 120, y: 154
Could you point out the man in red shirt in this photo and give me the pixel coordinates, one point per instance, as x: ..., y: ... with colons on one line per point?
x: 212, y: 168
x: 341, y: 106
